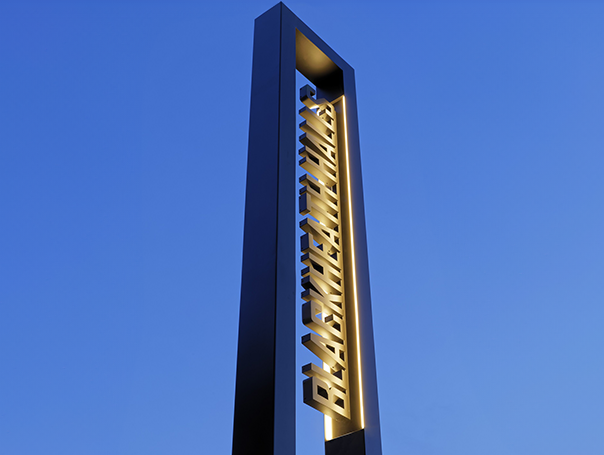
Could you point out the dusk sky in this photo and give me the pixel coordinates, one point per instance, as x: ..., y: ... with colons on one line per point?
x: 123, y: 140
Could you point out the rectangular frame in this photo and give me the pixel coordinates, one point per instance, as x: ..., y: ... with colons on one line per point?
x: 264, y: 420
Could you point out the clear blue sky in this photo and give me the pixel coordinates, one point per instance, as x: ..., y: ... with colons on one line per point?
x: 122, y: 171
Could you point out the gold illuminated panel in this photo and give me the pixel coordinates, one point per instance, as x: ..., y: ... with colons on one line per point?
x: 324, y: 311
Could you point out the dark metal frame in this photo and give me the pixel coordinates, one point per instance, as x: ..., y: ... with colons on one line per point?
x: 264, y: 420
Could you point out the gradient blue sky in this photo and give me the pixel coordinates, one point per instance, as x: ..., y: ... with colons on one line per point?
x: 123, y: 152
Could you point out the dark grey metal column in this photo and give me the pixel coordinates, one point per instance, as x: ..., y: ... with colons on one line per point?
x: 265, y: 391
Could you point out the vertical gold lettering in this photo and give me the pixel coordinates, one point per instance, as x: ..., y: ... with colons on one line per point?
x: 326, y: 389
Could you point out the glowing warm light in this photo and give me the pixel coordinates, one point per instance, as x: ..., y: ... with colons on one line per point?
x: 327, y: 420
x: 328, y: 428
x: 327, y: 388
x: 354, y: 273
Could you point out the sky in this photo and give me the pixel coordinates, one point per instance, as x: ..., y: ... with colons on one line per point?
x: 123, y: 142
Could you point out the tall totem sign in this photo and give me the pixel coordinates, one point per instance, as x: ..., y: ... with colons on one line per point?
x: 335, y: 296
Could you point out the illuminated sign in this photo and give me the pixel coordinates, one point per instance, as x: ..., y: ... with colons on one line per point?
x: 324, y: 312
x: 335, y: 295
